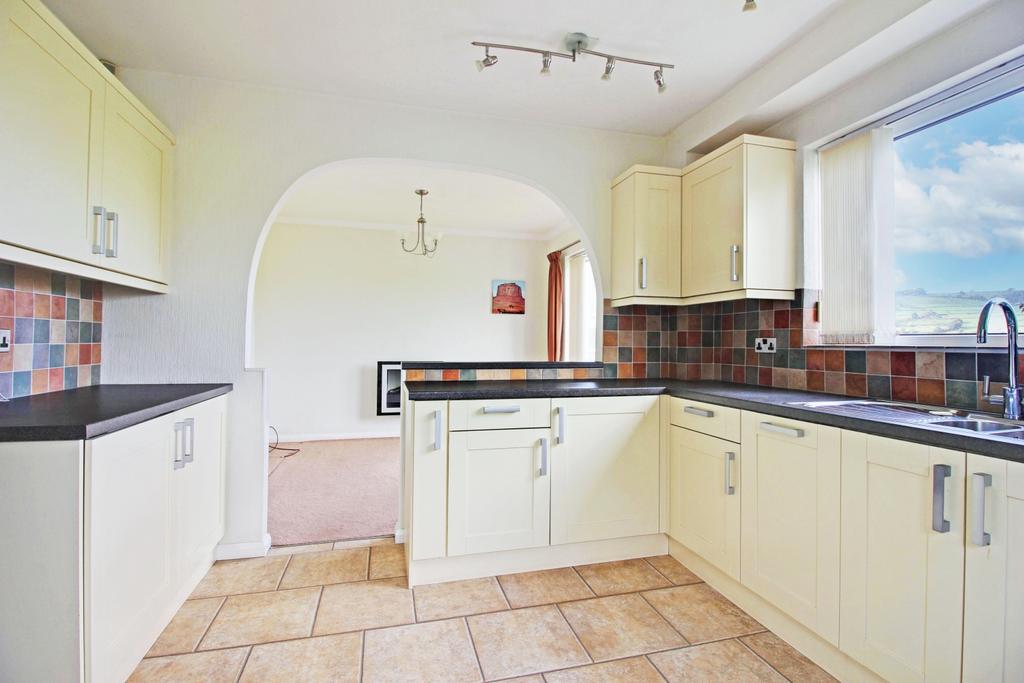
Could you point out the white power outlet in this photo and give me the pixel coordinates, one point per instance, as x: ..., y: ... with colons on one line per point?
x: 5, y: 341
x: 764, y: 344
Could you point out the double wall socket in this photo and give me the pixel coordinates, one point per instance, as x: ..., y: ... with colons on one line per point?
x: 5, y: 341
x: 764, y: 344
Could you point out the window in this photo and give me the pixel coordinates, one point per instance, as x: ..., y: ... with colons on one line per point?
x: 922, y: 218
x: 580, y: 306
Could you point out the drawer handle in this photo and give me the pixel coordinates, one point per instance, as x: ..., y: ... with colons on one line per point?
x: 561, y: 424
x: 730, y: 458
x: 99, y: 219
x: 979, y: 482
x: 939, y: 475
x: 792, y: 432
x: 699, y: 412
x: 543, y: 472
x: 438, y: 417
x: 491, y: 410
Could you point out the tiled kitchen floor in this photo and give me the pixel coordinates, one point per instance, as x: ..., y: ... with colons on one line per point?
x: 344, y: 613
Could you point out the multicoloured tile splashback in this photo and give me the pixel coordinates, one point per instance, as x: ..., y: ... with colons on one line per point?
x: 56, y: 322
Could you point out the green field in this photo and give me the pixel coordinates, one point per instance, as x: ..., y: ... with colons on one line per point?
x: 919, y: 312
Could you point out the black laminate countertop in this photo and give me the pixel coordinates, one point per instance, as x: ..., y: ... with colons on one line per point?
x: 88, y: 412
x: 767, y: 400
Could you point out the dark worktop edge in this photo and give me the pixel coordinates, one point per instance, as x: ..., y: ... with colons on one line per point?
x: 498, y: 365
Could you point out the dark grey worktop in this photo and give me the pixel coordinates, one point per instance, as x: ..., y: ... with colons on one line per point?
x: 88, y: 412
x: 767, y: 400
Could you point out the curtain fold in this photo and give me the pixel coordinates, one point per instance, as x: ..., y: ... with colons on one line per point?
x: 556, y: 304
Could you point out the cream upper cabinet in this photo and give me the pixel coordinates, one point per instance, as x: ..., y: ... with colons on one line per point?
x: 136, y: 190
x: 902, y: 558
x: 499, y: 490
x: 51, y: 133
x: 87, y: 173
x: 704, y: 497
x: 739, y: 222
x: 790, y: 521
x: 994, y: 567
x: 645, y: 235
x: 605, y: 468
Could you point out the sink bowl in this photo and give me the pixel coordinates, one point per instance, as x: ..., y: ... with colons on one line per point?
x: 976, y: 425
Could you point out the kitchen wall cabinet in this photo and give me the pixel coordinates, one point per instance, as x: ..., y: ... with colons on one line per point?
x: 902, y: 558
x: 645, y: 235
x: 739, y: 222
x: 112, y: 535
x: 994, y: 591
x: 86, y: 187
x: 791, y: 518
x: 605, y: 468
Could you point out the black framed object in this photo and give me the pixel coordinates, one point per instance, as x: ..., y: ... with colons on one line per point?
x: 389, y: 387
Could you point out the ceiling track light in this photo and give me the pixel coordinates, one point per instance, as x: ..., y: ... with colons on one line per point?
x: 488, y: 60
x: 749, y: 5
x: 609, y: 67
x: 545, y: 68
x: 659, y: 80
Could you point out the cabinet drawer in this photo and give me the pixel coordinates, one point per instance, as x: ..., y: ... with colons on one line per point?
x: 706, y: 418
x: 499, y: 414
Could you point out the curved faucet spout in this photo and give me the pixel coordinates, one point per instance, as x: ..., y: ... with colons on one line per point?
x: 1011, y: 395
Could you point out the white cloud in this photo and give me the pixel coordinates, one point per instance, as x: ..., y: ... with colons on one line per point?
x: 972, y: 210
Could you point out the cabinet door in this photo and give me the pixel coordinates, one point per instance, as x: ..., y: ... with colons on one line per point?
x: 790, y: 520
x: 657, y: 236
x: 199, y: 488
x: 712, y: 225
x: 625, y: 281
x: 994, y: 591
x: 136, y: 187
x: 51, y: 109
x: 130, y: 563
x: 704, y: 497
x: 901, y: 605
x: 499, y: 490
x: 427, y: 469
x: 605, y: 468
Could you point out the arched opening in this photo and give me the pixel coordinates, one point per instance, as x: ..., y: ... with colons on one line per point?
x: 333, y: 295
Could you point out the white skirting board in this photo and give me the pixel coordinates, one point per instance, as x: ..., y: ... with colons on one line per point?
x: 235, y: 551
x: 534, y: 559
x: 295, y: 438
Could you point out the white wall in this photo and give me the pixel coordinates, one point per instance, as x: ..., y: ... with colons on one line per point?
x: 240, y: 148
x: 331, y: 302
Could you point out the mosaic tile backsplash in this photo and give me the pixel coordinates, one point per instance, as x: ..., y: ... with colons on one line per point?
x: 56, y: 322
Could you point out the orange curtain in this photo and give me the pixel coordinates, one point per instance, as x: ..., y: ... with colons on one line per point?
x: 556, y: 314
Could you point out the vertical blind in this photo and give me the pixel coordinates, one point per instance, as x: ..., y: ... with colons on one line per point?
x: 856, y: 209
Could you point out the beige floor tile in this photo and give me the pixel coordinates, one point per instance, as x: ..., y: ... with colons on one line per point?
x: 231, y: 577
x: 263, y: 617
x: 673, y: 570
x: 320, y: 569
x: 620, y: 626
x: 726, y: 661
x: 524, y: 641
x: 330, y: 658
x: 437, y: 651
x: 701, y: 613
x: 364, y: 604
x: 387, y: 561
x: 221, y: 666
x: 186, y: 628
x: 544, y: 587
x: 625, y: 576
x: 458, y: 599
x: 635, y: 670
x: 786, y: 659
x: 536, y: 678
x: 364, y: 542
x: 296, y: 549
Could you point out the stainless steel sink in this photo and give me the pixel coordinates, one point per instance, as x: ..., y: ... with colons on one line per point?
x: 911, y: 413
x: 978, y: 425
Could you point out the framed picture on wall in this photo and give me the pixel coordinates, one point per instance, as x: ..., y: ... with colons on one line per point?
x: 389, y: 387
x: 508, y: 297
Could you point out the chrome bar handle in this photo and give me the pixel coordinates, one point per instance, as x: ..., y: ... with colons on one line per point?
x: 543, y: 472
x: 491, y: 410
x: 734, y: 273
x: 939, y: 475
x: 791, y: 432
x: 438, y: 416
x: 643, y: 272
x: 561, y: 424
x: 979, y: 483
x: 99, y: 220
x: 179, y: 445
x: 699, y: 412
x: 730, y: 458
x: 188, y: 447
x: 112, y: 241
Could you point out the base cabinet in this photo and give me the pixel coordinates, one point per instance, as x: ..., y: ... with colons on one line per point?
x: 902, y: 558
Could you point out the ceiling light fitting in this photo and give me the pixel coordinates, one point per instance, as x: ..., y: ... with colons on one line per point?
x: 577, y: 44
x: 421, y: 248
x: 749, y: 5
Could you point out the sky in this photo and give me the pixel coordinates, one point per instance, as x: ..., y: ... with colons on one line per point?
x: 960, y: 202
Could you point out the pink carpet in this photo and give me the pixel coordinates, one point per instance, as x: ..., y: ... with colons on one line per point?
x: 333, y: 491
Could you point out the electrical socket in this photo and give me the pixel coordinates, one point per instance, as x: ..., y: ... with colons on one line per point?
x: 764, y: 344
x: 5, y: 341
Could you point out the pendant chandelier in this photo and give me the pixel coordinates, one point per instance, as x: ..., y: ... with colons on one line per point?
x: 421, y: 248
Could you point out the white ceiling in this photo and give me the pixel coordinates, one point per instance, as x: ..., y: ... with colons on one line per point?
x: 380, y: 195
x: 417, y: 51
